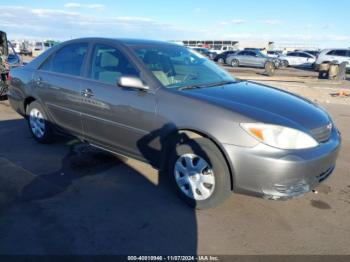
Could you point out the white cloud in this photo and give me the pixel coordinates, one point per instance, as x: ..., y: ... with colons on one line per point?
x: 51, y: 12
x: 63, y: 24
x: 79, y: 5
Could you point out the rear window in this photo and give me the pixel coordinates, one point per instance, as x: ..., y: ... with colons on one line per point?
x: 68, y: 60
x: 338, y: 52
x: 304, y: 55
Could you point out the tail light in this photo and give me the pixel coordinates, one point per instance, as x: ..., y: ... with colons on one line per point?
x: 8, y: 77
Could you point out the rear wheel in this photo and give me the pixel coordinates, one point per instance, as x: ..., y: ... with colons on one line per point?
x: 39, y: 125
x: 199, y: 173
x: 221, y: 60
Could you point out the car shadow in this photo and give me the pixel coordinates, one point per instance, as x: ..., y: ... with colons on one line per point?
x: 84, y: 201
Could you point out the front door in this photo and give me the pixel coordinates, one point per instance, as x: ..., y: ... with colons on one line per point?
x: 113, y: 117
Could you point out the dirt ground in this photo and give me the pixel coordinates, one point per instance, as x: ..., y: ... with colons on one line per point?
x: 303, y: 82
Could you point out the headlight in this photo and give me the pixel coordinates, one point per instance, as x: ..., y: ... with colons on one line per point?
x: 279, y: 136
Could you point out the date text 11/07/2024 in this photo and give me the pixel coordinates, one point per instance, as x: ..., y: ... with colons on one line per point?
x: 173, y: 258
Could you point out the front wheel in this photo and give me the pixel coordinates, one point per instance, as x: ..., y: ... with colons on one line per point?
x: 199, y: 173
x: 285, y: 63
x: 234, y: 63
x: 39, y: 125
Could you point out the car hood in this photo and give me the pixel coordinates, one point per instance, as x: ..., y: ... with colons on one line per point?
x: 260, y: 103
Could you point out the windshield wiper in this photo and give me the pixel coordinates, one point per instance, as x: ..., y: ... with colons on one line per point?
x: 195, y: 86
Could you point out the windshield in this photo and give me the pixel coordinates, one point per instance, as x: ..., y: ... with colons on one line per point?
x: 177, y: 66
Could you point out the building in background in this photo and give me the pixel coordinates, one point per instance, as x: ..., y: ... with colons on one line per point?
x: 220, y: 46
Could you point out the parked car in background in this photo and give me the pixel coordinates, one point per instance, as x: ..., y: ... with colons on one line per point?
x: 253, y: 49
x: 298, y: 58
x: 221, y: 58
x: 315, y: 53
x: 333, y: 55
x: 253, y: 58
x: 26, y: 49
x: 16, y: 46
x: 210, y: 133
x: 13, y: 59
x: 274, y: 54
x: 204, y: 51
x: 40, y: 47
x: 218, y: 49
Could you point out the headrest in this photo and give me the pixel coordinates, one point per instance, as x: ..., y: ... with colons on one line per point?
x: 108, y: 59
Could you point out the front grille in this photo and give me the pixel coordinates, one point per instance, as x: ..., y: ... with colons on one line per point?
x: 322, y: 134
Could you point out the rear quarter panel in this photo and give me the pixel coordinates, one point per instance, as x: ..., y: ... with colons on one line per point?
x: 20, y: 88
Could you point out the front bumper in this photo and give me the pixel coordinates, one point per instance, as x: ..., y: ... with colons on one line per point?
x: 273, y: 173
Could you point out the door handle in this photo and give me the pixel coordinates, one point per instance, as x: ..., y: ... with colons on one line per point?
x: 38, y: 80
x: 87, y: 93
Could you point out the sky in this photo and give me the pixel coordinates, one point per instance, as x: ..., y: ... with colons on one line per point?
x: 320, y: 23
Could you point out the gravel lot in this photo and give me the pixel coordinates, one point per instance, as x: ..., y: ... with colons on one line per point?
x: 68, y: 198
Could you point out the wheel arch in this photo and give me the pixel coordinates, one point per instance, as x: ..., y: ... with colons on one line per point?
x: 190, y: 133
x: 27, y: 101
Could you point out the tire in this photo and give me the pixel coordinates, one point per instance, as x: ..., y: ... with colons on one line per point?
x: 285, y: 63
x: 221, y: 61
x: 205, y: 156
x: 234, y: 63
x: 270, y: 68
x: 38, y: 123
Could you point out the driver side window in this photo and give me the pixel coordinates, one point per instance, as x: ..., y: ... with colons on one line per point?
x: 109, y: 64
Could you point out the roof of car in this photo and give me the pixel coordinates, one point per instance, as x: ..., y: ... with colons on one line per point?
x: 127, y: 41
x: 330, y: 49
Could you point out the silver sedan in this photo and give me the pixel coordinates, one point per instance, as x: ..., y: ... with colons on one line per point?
x: 251, y: 58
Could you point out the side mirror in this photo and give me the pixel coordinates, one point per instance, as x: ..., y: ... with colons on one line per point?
x: 132, y: 82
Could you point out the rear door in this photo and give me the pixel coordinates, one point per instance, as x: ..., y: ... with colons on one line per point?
x: 293, y: 58
x: 306, y: 59
x: 243, y: 58
x: 249, y: 58
x: 300, y: 59
x: 57, y: 82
